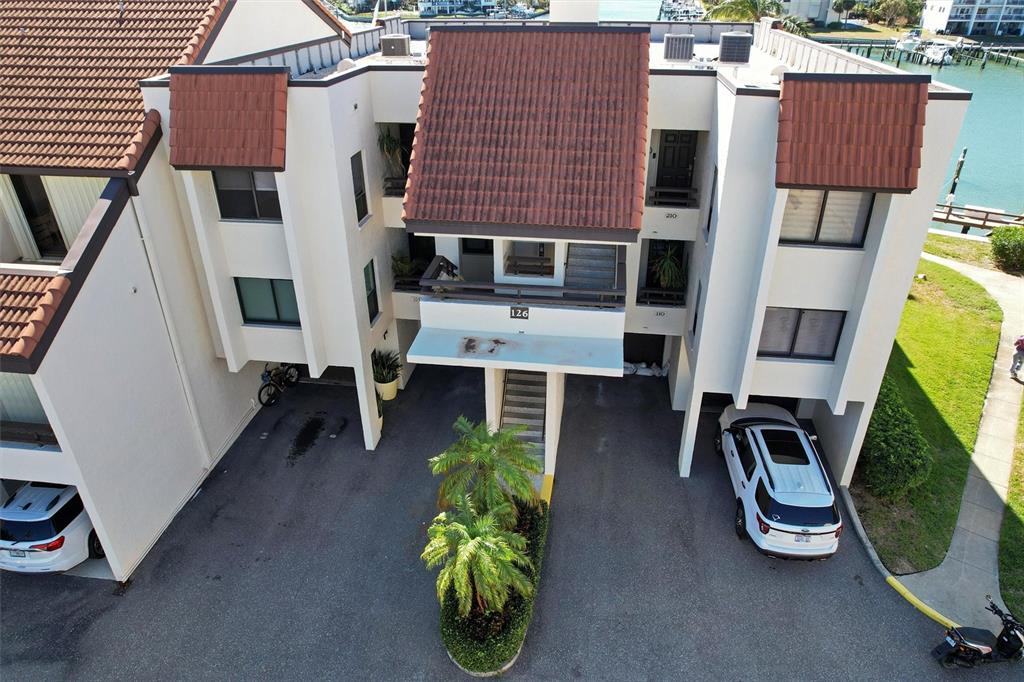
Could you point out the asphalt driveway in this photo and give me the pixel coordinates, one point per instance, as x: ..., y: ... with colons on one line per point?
x: 300, y: 558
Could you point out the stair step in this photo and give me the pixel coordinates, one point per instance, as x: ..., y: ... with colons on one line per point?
x: 592, y: 250
x: 591, y: 262
x: 529, y: 408
x: 524, y: 398
x: 525, y: 389
x: 528, y: 419
x: 531, y: 436
x: 516, y: 378
x: 589, y: 283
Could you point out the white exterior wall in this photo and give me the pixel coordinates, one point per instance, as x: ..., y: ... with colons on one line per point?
x: 258, y: 25
x: 935, y: 15
x: 114, y: 395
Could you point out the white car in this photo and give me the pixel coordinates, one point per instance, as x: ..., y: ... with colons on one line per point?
x: 44, y: 528
x: 784, y: 501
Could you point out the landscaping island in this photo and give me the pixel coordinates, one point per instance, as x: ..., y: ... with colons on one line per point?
x: 940, y: 366
x: 489, y: 542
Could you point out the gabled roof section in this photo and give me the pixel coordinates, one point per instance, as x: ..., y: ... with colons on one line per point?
x: 506, y: 144
x: 70, y: 97
x: 232, y: 117
x: 28, y: 304
x: 851, y: 131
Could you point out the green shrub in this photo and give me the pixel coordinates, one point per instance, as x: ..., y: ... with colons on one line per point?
x: 486, y: 643
x: 1008, y: 247
x: 895, y: 457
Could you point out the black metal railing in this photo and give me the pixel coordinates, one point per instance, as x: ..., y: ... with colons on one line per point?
x: 24, y: 432
x: 535, y: 266
x: 665, y: 297
x: 407, y: 284
x: 440, y: 281
x: 680, y: 197
x: 394, y: 187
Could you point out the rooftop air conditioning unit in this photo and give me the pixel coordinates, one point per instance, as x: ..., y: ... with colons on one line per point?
x: 395, y: 45
x: 679, y: 47
x: 734, y: 47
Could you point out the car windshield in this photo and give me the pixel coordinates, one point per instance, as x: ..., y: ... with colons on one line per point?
x: 785, y: 446
x: 26, y: 531
x: 773, y: 510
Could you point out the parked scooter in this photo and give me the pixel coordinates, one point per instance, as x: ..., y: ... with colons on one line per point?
x: 968, y: 647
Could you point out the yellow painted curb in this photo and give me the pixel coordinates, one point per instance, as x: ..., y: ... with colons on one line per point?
x: 546, y: 486
x: 918, y: 604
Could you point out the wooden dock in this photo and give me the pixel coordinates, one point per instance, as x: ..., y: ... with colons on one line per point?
x: 979, y: 218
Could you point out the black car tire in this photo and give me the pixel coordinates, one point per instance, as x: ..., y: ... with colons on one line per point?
x: 95, y: 548
x: 740, y: 522
x: 718, y: 444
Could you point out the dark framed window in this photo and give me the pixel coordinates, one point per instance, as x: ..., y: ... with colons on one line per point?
x: 247, y: 195
x: 711, y: 204
x: 798, y: 333
x: 370, y: 282
x: 826, y: 217
x: 696, y: 311
x: 478, y: 246
x: 267, y: 301
x: 359, y: 187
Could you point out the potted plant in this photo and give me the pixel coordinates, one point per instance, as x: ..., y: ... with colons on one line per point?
x: 387, y: 368
x: 668, y: 270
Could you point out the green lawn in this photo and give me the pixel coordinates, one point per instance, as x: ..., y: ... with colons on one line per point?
x: 1011, y: 540
x: 941, y: 362
x: 966, y: 250
x: 869, y: 31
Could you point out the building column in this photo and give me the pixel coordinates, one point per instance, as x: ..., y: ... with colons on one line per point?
x: 366, y: 393
x: 689, y: 436
x: 842, y: 436
x: 494, y: 389
x: 553, y: 403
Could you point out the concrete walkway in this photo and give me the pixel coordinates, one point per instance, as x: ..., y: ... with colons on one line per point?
x: 957, y: 587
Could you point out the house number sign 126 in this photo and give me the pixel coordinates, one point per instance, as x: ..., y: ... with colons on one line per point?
x: 518, y: 312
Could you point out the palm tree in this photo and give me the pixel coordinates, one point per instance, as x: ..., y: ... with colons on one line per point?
x: 491, y: 467
x: 483, y: 562
x: 755, y: 10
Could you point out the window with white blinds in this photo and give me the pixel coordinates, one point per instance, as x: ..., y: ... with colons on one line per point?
x: 797, y: 333
x: 835, y: 218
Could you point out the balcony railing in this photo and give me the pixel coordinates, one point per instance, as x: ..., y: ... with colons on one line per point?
x: 665, y: 297
x: 23, y: 432
x: 680, y: 197
x: 535, y: 266
x: 394, y: 187
x: 440, y: 281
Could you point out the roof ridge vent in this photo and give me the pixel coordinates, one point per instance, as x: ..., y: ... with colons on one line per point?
x: 679, y: 46
x: 734, y: 47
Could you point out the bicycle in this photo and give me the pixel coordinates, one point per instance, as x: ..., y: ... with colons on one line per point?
x: 275, y: 381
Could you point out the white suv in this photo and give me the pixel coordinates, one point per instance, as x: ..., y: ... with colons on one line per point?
x: 784, y: 500
x: 44, y: 528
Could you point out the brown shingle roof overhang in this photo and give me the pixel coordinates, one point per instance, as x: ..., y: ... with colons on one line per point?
x: 70, y: 96
x: 506, y: 148
x: 852, y: 131
x: 27, y: 305
x: 228, y: 116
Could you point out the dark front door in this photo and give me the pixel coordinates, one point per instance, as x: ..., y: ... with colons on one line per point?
x: 675, y: 159
x: 39, y: 215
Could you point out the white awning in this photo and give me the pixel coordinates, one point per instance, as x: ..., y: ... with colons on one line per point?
x: 534, y: 352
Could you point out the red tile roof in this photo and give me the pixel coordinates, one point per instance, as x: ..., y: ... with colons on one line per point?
x: 70, y: 96
x: 27, y: 305
x: 557, y: 142
x: 222, y: 119
x: 850, y: 133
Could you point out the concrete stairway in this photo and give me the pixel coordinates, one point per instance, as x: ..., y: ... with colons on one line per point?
x: 590, y: 266
x: 524, y: 404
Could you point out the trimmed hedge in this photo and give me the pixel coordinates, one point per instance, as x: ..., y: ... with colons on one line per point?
x: 895, y: 457
x: 1008, y: 247
x: 485, y: 644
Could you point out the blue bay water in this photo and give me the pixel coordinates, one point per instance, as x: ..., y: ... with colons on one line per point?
x: 993, y: 130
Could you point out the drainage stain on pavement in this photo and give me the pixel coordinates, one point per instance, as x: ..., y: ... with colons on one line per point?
x: 305, y: 439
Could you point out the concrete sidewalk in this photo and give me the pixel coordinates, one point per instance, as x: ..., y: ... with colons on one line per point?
x: 957, y: 587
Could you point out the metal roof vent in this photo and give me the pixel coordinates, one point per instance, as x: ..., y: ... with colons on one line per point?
x: 734, y: 47
x: 679, y: 46
x: 395, y: 45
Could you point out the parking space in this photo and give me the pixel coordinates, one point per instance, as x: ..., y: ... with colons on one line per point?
x: 300, y: 558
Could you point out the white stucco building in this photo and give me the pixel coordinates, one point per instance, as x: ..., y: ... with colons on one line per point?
x: 261, y: 224
x: 974, y: 18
